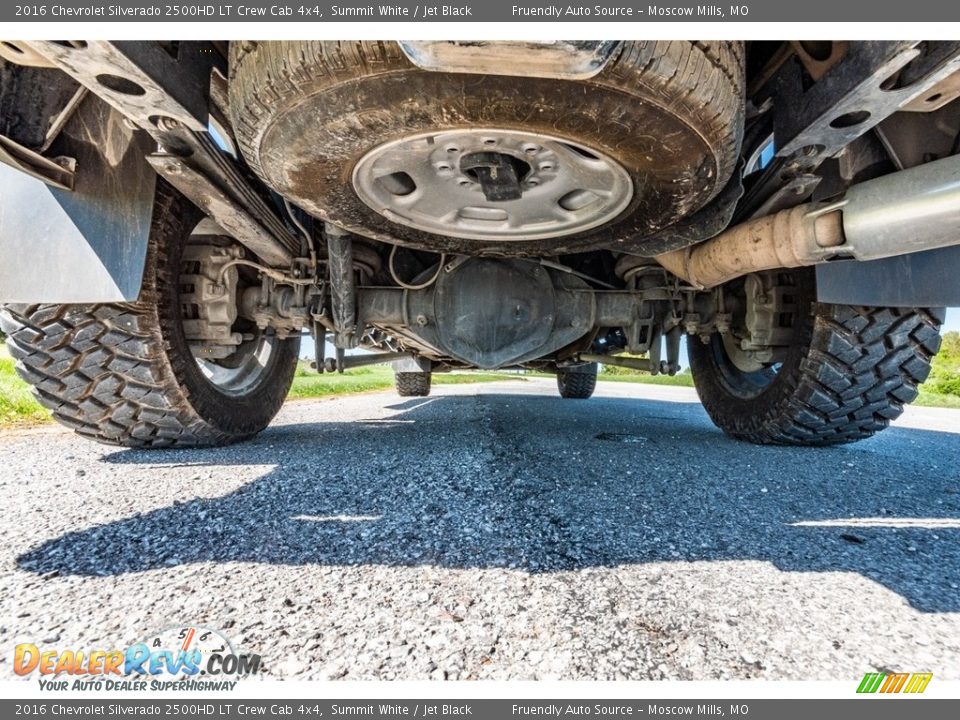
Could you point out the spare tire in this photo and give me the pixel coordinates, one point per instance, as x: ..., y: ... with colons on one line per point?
x: 665, y: 117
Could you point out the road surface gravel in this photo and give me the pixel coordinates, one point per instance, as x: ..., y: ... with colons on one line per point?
x: 497, y: 531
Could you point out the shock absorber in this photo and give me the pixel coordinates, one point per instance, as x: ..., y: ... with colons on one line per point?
x: 343, y: 290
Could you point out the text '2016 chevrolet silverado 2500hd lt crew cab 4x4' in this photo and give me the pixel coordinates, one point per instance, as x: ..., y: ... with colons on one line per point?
x: 176, y: 215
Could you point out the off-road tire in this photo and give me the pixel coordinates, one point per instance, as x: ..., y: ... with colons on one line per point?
x: 123, y: 374
x: 577, y: 383
x: 328, y: 103
x: 849, y: 373
x: 413, y: 384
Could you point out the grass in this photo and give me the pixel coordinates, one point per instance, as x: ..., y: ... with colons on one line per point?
x: 18, y: 406
x: 926, y: 398
x: 683, y: 379
x: 930, y: 399
x: 310, y: 384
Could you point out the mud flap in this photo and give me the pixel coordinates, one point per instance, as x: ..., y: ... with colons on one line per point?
x: 924, y: 279
x: 88, y: 244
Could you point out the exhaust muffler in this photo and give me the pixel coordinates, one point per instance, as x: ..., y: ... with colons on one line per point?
x: 903, y: 212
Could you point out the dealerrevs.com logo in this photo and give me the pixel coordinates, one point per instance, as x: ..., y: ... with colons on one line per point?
x: 888, y: 683
x: 178, y: 658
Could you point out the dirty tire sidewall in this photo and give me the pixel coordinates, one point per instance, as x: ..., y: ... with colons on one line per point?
x: 236, y: 416
x: 670, y: 113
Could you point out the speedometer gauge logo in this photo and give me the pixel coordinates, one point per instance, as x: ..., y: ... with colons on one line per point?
x: 186, y: 651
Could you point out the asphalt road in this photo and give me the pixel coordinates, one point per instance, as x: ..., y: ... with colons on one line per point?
x: 497, y: 531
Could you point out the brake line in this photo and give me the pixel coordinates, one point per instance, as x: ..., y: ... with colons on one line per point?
x: 408, y: 286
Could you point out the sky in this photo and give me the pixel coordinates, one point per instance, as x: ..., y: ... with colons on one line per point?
x: 953, y: 319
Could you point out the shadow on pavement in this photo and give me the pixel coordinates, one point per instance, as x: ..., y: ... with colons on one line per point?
x: 540, y: 484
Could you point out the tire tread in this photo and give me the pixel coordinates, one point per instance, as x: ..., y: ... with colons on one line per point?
x: 413, y: 384
x: 863, y: 365
x: 577, y: 383
x: 704, y: 79
x: 110, y: 372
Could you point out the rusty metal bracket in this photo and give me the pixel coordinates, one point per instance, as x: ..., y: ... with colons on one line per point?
x: 869, y: 83
x: 168, y: 95
x: 872, y: 81
x: 141, y: 79
x: 233, y: 218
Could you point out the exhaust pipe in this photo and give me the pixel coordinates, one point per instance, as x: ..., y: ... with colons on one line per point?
x: 896, y: 214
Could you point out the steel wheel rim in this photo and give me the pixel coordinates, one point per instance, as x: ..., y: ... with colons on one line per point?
x: 240, y: 379
x: 241, y: 372
x: 745, y: 385
x: 417, y: 181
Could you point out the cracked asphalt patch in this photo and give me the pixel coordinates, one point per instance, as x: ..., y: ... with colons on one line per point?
x: 498, y: 531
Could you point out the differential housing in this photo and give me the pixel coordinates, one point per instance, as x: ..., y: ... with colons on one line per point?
x: 494, y: 313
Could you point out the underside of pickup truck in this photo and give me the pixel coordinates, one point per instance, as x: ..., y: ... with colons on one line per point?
x: 175, y: 216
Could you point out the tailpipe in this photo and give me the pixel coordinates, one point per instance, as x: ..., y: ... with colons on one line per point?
x: 896, y: 214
